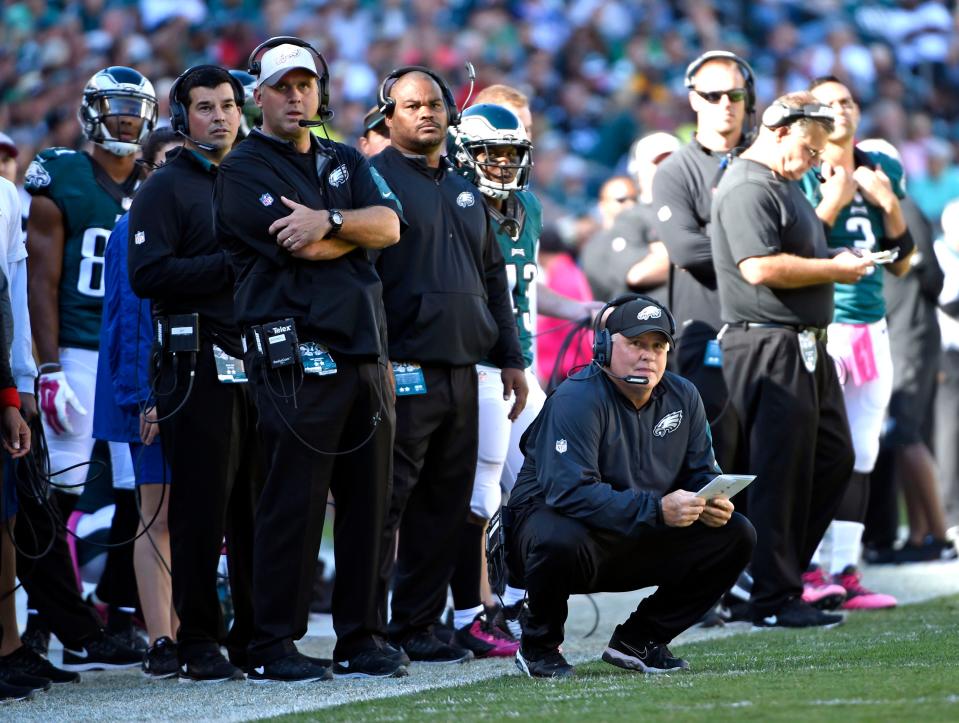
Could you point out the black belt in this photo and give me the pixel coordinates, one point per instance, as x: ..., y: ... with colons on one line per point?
x: 818, y: 331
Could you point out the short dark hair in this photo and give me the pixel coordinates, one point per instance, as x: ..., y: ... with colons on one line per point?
x: 207, y: 77
x: 822, y: 80
x: 156, y: 140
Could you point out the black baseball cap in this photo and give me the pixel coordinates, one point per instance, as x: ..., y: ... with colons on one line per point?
x: 639, y: 316
x: 372, y: 121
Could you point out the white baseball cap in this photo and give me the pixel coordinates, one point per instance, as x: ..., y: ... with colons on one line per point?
x: 651, y: 147
x: 277, y: 62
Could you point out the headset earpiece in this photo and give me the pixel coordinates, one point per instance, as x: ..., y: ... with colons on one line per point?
x: 179, y: 113
x: 387, y: 104
x: 254, y: 67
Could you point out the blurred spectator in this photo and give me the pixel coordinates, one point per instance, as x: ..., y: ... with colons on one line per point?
x: 560, y: 345
x: 940, y: 183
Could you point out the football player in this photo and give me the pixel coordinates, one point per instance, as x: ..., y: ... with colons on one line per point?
x: 77, y: 197
x: 862, y: 213
x: 491, y: 147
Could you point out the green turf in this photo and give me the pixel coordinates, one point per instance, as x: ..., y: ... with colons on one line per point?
x: 900, y: 665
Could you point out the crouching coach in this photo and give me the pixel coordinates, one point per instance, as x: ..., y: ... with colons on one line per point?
x: 606, y: 499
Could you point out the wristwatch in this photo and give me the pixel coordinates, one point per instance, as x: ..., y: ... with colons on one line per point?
x: 336, y: 221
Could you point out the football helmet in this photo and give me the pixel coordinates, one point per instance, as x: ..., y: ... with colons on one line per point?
x: 252, y: 115
x: 117, y: 91
x: 482, y: 128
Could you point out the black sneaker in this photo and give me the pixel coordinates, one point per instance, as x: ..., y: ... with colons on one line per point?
x: 798, y: 614
x: 425, y: 647
x: 26, y: 660
x: 395, y: 652
x: 160, y: 661
x: 11, y: 693
x: 551, y: 664
x: 209, y: 667
x: 370, y: 663
x: 36, y: 638
x: 646, y: 657
x: 293, y: 668
x: 104, y: 652
x: 510, y: 619
x: 24, y: 680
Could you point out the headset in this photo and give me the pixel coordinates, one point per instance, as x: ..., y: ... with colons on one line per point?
x: 387, y: 105
x: 253, y: 68
x: 603, y: 340
x: 179, y: 115
x: 779, y: 114
x: 745, y: 68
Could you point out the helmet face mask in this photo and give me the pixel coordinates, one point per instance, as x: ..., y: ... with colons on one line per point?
x: 111, y: 98
x: 493, y: 150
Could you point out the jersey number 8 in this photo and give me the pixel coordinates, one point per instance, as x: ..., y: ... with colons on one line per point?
x: 92, y: 249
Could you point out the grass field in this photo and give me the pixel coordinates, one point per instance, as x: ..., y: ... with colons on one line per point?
x: 898, y: 665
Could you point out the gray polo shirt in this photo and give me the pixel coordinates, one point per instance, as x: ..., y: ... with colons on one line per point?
x: 759, y: 213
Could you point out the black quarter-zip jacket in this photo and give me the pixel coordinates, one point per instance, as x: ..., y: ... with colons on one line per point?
x: 591, y: 455
x: 337, y: 303
x: 444, y: 284
x: 173, y: 259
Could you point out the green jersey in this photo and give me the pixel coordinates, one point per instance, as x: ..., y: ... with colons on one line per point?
x: 860, y: 225
x: 518, y: 229
x: 90, y: 202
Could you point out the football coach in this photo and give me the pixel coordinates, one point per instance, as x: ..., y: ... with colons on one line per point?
x: 604, y: 500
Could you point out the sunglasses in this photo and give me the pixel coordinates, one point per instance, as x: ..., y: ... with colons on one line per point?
x: 714, y: 96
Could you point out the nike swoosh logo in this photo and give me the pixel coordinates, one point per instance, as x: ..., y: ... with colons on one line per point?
x: 80, y: 654
x: 261, y: 670
x: 641, y: 655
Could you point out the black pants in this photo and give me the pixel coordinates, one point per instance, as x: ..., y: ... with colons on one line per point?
x: 215, y: 462
x: 709, y: 381
x: 332, y: 413
x: 49, y: 580
x: 434, y: 463
x: 118, y: 584
x: 558, y: 556
x: 797, y: 441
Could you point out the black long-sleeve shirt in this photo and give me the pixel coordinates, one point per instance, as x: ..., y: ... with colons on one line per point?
x: 444, y: 284
x: 591, y: 455
x: 173, y: 259
x: 337, y: 303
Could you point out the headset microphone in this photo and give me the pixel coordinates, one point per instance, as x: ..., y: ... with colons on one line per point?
x: 629, y: 378
x: 206, y: 147
x: 325, y: 117
x: 471, y: 73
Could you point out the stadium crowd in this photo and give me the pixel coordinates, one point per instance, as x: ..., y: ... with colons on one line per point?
x: 264, y: 294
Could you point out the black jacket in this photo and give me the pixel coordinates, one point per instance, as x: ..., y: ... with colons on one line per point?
x: 337, y: 303
x: 591, y: 455
x: 444, y: 284
x: 172, y: 256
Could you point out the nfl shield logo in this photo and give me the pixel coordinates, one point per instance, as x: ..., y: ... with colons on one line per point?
x: 266, y: 199
x: 139, y: 238
x: 561, y: 446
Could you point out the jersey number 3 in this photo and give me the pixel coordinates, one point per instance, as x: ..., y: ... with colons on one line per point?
x: 92, y: 249
x: 864, y: 226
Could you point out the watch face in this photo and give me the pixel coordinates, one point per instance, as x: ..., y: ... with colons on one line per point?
x: 336, y: 218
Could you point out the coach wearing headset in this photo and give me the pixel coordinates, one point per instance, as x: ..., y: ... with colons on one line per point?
x: 448, y: 307
x: 298, y: 214
x: 606, y: 499
x: 208, y: 427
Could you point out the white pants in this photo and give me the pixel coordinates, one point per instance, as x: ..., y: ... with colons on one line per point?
x: 866, y: 402
x: 67, y: 449
x: 499, y: 459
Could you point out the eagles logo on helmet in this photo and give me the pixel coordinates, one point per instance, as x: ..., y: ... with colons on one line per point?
x: 112, y: 92
x: 481, y: 129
